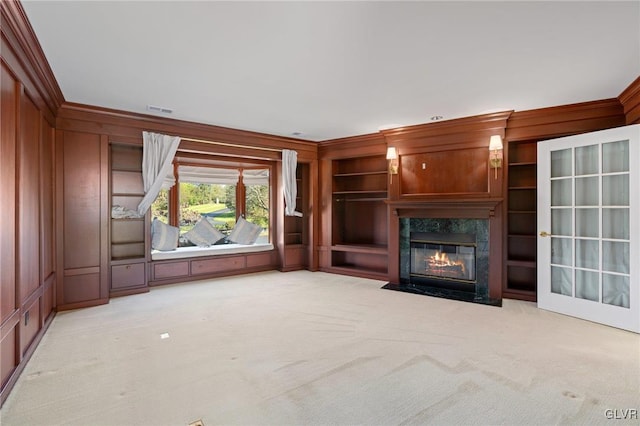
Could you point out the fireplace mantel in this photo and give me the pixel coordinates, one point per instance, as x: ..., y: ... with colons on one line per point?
x: 461, y: 208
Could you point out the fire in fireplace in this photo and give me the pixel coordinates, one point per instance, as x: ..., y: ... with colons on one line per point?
x: 445, y: 257
x: 442, y: 258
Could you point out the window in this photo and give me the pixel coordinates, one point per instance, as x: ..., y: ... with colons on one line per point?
x: 207, y: 192
x: 256, y: 183
x: 160, y: 207
x: 219, y: 194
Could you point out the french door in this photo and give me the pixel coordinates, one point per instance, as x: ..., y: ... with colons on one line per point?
x: 588, y: 231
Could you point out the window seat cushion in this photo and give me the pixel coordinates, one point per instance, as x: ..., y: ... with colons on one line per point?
x: 195, y: 251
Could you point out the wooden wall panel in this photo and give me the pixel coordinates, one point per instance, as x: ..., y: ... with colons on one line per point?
x: 8, y: 105
x: 29, y: 325
x: 48, y: 297
x: 455, y: 154
x: 80, y: 288
x: 47, y: 190
x: 445, y: 172
x: 82, y: 201
x: 28, y: 187
x: 82, y: 163
x: 28, y: 102
x: 8, y: 354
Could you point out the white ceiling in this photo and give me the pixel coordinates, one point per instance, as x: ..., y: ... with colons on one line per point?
x: 336, y: 69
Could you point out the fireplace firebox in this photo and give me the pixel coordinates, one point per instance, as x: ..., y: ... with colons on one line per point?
x: 445, y: 257
x: 443, y: 260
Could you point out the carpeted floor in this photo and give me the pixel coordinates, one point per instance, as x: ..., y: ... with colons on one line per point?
x: 304, y: 348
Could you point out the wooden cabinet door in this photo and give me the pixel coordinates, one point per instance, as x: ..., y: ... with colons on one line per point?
x: 85, y: 215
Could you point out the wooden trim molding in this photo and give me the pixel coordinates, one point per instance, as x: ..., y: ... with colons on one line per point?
x: 564, y: 120
x: 25, y: 48
x: 362, y: 146
x: 448, y: 134
x: 116, y: 124
x: 12, y: 320
x: 630, y: 100
x: 482, y: 208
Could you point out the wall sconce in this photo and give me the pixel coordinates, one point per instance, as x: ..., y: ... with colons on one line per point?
x: 495, y: 153
x: 392, y: 156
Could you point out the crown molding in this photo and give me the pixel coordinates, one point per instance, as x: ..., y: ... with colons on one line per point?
x: 565, y: 120
x: 630, y: 100
x: 124, y: 124
x: 29, y: 63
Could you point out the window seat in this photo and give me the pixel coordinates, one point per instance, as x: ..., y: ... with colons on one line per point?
x: 188, y: 252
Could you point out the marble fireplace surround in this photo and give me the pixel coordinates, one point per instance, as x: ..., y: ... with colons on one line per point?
x: 488, y: 209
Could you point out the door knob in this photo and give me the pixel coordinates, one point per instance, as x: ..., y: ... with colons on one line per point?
x: 545, y: 234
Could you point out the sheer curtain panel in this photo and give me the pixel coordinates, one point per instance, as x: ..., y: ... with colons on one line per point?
x: 157, y: 169
x: 290, y: 187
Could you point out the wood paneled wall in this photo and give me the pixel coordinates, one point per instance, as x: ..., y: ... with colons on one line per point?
x: 47, y: 145
x: 29, y: 99
x: 430, y: 153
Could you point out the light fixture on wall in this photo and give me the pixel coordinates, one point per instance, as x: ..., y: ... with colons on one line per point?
x: 495, y: 153
x: 392, y: 156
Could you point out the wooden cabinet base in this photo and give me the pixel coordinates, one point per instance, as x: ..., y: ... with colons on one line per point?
x: 128, y: 291
x: 191, y: 269
x: 128, y: 278
x: 356, y: 272
x: 294, y: 258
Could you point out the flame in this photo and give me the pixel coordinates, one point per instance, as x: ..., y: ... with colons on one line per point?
x: 442, y: 260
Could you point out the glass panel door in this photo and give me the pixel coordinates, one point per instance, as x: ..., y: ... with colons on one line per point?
x: 587, y: 192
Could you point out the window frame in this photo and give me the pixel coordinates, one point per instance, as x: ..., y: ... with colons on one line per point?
x: 236, y: 164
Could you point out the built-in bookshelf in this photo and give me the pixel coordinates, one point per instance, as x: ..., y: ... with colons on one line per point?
x: 296, y: 228
x: 359, y: 216
x: 521, y: 223
x: 128, y: 231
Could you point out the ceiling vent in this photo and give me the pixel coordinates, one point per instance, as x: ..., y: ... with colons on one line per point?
x: 158, y: 109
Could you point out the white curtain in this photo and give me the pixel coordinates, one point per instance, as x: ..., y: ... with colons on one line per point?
x: 211, y: 175
x: 290, y: 187
x: 157, y: 157
x: 255, y: 177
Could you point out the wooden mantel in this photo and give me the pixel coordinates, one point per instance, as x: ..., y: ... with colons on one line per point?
x: 461, y: 208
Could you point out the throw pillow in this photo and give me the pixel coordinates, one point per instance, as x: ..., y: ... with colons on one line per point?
x: 203, y: 234
x: 164, y: 237
x: 244, y: 232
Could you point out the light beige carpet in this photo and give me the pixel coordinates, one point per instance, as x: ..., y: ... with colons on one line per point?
x: 313, y: 348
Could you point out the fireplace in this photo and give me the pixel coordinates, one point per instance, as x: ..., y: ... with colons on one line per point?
x: 445, y: 257
x: 443, y: 260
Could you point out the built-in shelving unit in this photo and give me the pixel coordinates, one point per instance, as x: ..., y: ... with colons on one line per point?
x: 521, y: 223
x: 296, y: 228
x: 128, y: 234
x: 359, y: 216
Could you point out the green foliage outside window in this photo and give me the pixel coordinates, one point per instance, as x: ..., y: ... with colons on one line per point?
x: 160, y: 207
x: 216, y: 202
